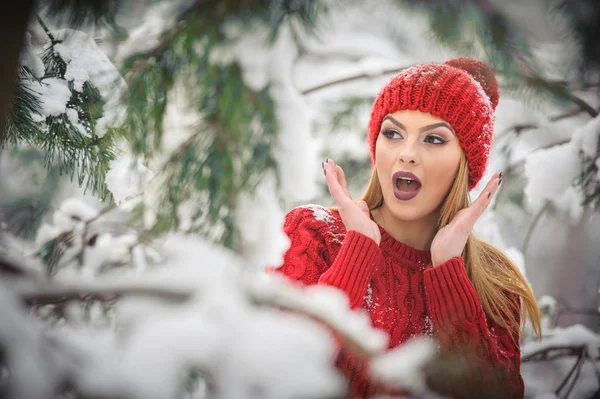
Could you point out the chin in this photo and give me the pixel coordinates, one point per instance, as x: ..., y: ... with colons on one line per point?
x: 409, y: 210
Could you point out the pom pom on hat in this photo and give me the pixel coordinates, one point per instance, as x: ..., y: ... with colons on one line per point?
x: 481, y: 73
x: 461, y: 91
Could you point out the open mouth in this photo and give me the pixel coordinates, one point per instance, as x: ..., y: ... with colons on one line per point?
x: 406, y: 185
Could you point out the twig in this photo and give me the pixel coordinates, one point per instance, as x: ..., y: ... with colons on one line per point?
x: 576, y: 367
x: 10, y: 266
x: 102, y: 212
x: 534, y: 223
x: 581, y: 360
x: 543, y: 354
x: 41, y: 22
x: 583, y: 105
x: 58, y: 293
x: 518, y: 128
x: 352, y: 78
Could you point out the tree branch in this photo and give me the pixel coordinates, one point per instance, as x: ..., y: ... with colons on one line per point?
x: 10, y: 266
x: 53, y: 293
x: 352, y: 78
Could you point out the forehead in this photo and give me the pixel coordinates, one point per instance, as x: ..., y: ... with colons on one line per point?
x: 416, y: 118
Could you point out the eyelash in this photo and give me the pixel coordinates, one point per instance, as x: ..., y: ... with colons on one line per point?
x: 390, y: 134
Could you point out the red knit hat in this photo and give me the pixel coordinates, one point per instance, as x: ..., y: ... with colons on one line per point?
x: 461, y: 91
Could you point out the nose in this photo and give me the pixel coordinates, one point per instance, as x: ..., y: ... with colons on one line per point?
x: 408, y: 154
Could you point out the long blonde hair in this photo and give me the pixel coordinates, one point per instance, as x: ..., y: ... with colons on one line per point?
x: 495, y: 277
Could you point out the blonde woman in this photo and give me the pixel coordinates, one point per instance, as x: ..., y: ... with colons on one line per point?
x: 404, y: 251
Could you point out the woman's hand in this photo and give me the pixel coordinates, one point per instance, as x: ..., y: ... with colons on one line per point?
x: 355, y: 215
x: 451, y: 239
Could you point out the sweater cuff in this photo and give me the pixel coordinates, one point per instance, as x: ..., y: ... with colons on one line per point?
x: 451, y: 296
x: 353, y: 267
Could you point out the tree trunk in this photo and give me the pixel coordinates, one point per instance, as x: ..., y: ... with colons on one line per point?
x: 14, y: 18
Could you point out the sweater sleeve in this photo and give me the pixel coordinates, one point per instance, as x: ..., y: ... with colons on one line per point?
x: 464, y: 333
x: 309, y: 257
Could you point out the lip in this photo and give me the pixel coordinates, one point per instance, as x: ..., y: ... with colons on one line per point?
x: 403, y: 195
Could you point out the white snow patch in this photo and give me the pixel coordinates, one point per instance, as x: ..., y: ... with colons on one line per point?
x: 404, y: 366
x: 550, y: 172
x: 320, y: 212
x: 126, y: 177
x: 260, y: 216
x: 86, y: 62
x: 54, y: 95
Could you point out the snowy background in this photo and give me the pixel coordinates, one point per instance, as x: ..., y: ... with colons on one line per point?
x: 175, y: 329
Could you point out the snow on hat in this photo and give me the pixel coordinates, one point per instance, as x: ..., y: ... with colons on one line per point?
x: 461, y: 91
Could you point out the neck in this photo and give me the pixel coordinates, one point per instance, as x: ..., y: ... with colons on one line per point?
x: 415, y: 233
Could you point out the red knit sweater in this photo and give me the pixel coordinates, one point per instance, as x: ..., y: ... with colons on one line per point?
x: 406, y: 297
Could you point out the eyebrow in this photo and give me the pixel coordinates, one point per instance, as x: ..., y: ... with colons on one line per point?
x: 424, y: 128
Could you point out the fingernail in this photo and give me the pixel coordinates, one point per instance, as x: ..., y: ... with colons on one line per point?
x: 489, y: 195
x: 500, y: 176
x: 325, y: 171
x: 499, y: 181
x: 327, y: 160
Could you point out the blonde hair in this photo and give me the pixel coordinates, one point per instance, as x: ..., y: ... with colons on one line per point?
x: 500, y: 285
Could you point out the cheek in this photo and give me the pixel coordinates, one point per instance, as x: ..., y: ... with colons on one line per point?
x: 443, y: 170
x: 382, y: 159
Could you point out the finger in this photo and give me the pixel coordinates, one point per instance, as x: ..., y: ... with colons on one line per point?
x: 341, y: 176
x: 479, y: 206
x: 335, y: 189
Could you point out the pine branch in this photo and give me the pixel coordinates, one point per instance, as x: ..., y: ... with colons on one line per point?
x: 145, y: 61
x: 78, y: 13
x: 52, y: 294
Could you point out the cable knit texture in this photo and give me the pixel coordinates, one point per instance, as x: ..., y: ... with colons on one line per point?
x: 406, y: 297
x: 461, y: 91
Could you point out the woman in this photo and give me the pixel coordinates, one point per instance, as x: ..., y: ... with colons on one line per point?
x: 404, y: 252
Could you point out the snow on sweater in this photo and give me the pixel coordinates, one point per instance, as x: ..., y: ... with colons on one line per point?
x: 406, y: 297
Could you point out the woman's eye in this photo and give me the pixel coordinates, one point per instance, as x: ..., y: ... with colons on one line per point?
x: 391, y: 134
x: 434, y: 140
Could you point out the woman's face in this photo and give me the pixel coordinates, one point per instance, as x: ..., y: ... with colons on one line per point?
x: 417, y: 156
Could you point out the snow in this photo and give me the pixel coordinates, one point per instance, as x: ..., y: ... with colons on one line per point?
x: 542, y: 377
x: 320, y: 212
x: 404, y: 366
x: 587, y: 136
x: 575, y: 335
x: 260, y: 216
x: 550, y: 172
x: 570, y: 204
x: 87, y: 63
x: 73, y: 116
x: 326, y: 303
x: 126, y: 177
x: 54, y: 95
x: 224, y: 321
x: 296, y: 151
x: 30, y: 59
